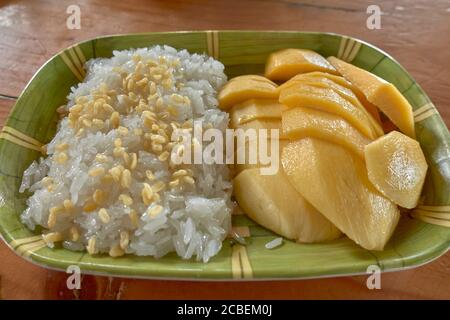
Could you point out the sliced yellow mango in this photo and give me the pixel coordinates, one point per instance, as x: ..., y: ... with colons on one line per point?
x: 301, y: 122
x: 326, y: 99
x: 371, y: 108
x: 397, y: 167
x: 381, y: 93
x: 255, y: 77
x: 255, y: 109
x: 273, y: 203
x: 267, y: 124
x: 335, y: 182
x: 344, y: 92
x: 251, y: 154
x: 242, y: 88
x: 284, y: 64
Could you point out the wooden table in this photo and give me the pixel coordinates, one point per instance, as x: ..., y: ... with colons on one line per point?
x: 415, y: 32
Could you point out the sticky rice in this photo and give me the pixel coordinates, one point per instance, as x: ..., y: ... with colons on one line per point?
x: 107, y: 183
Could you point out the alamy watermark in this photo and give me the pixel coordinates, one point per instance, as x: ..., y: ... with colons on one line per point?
x: 234, y: 146
x: 73, y: 21
x: 374, y: 20
x: 374, y: 280
x: 73, y: 281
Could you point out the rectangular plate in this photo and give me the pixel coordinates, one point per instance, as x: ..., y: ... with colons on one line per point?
x: 32, y: 122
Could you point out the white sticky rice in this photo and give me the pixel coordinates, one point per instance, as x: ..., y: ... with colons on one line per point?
x: 195, y: 218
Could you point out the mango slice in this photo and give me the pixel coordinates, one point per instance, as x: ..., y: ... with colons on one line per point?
x: 325, y: 99
x: 248, y: 151
x: 335, y: 182
x: 397, y: 167
x: 301, y: 122
x: 267, y: 124
x: 273, y: 203
x: 381, y: 93
x: 255, y: 109
x: 284, y: 64
x: 372, y: 109
x: 246, y: 87
x: 344, y: 92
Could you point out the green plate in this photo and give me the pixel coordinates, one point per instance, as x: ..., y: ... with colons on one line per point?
x: 33, y: 119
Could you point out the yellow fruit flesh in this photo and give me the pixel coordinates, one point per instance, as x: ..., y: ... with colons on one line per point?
x: 249, y: 152
x: 273, y: 203
x: 397, y: 167
x: 254, y: 77
x: 344, y: 92
x: 255, y: 109
x: 284, y: 64
x: 381, y: 93
x: 267, y: 124
x: 246, y: 87
x: 300, y: 122
x: 335, y: 182
x: 325, y: 99
x: 371, y: 108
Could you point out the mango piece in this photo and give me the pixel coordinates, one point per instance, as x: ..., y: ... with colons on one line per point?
x: 381, y: 93
x: 397, y: 167
x: 372, y: 109
x: 325, y: 99
x: 301, y: 122
x: 267, y: 124
x: 344, y: 92
x: 246, y: 87
x: 252, y: 157
x: 273, y: 203
x: 255, y: 109
x: 284, y: 64
x: 335, y: 182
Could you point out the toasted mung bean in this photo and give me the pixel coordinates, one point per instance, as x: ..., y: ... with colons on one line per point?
x: 97, y: 171
x: 147, y: 194
x: 124, y: 239
x: 61, y: 147
x: 46, y: 181
x: 189, y: 180
x: 126, y: 199
x: 158, y: 186
x: 52, y: 237
x: 116, y: 251
x: 68, y: 204
x: 174, y: 183
x: 104, y: 216
x: 116, y: 173
x: 154, y: 211
x: 123, y: 131
x: 115, y: 119
x: 134, y: 160
x: 118, y: 151
x: 89, y: 206
x: 149, y: 174
x: 134, y: 218
x: 118, y: 142
x: 126, y: 159
x: 91, y: 249
x: 61, y: 157
x: 98, y: 196
x: 125, y: 180
x: 75, y: 234
x: 179, y: 173
x: 164, y: 156
x: 101, y: 158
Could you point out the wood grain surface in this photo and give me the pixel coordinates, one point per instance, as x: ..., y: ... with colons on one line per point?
x: 415, y: 32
